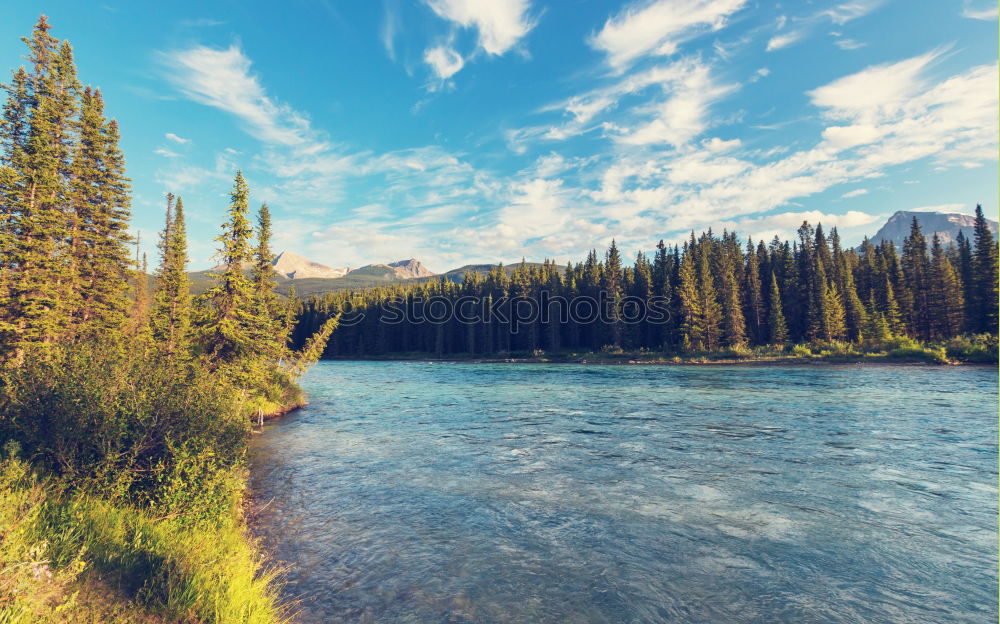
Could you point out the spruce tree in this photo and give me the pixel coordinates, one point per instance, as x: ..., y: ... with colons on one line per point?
x: 40, y: 294
x: 293, y: 307
x: 14, y: 127
x: 965, y: 274
x: 733, y: 322
x: 854, y: 310
x: 984, y: 266
x: 139, y: 326
x: 753, y: 296
x: 226, y: 334
x: 708, y: 302
x: 945, y: 297
x: 916, y: 270
x: 612, y: 285
x: 101, y: 196
x: 171, y: 318
x: 876, y: 330
x: 778, y: 330
x: 662, y: 289
x: 692, y: 331
x: 268, y: 325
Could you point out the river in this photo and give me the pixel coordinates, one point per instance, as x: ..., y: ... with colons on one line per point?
x: 460, y: 492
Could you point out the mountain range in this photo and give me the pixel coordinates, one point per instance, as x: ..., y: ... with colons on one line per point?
x: 293, y: 266
x: 309, y: 277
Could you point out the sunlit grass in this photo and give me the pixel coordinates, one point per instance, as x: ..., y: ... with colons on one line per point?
x: 73, y: 557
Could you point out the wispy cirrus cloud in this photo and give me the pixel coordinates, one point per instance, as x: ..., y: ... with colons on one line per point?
x: 986, y: 13
x: 784, y: 40
x: 221, y: 78
x: 846, y: 11
x: 659, y: 27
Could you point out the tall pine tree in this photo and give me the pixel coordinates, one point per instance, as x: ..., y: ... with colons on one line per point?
x: 984, y: 291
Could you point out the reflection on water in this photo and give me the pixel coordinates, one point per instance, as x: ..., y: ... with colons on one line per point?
x: 431, y: 492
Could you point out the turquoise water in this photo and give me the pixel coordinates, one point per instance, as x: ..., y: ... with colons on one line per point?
x: 441, y: 492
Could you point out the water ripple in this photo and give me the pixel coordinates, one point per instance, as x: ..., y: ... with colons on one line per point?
x: 417, y: 492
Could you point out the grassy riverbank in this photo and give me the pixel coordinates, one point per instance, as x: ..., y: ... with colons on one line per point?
x: 122, y: 485
x: 73, y: 556
x: 979, y: 349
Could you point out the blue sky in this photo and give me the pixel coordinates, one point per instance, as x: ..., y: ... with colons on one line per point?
x: 459, y: 131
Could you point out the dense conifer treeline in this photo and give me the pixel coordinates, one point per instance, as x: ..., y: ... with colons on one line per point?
x: 712, y: 293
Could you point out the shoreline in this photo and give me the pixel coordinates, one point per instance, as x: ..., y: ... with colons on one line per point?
x: 676, y: 361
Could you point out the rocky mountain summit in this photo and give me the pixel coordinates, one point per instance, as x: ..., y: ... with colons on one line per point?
x: 293, y: 266
x: 947, y: 225
x: 408, y: 269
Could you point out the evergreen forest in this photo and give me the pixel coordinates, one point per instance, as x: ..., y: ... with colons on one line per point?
x: 713, y: 295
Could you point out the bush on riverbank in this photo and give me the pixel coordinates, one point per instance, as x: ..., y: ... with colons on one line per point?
x: 121, y: 486
x: 978, y: 348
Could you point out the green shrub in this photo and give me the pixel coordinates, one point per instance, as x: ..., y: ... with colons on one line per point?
x: 977, y: 348
x: 112, y: 419
x: 737, y: 353
x: 838, y: 348
x: 920, y: 353
x: 801, y: 350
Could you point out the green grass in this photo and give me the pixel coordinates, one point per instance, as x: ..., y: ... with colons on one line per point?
x: 75, y: 557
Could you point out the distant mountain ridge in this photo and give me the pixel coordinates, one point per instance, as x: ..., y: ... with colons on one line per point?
x: 293, y: 266
x: 313, y: 278
x: 310, y: 277
x: 947, y: 225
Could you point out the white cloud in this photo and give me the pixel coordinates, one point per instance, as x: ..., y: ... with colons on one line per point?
x: 847, y: 11
x: 222, y: 79
x: 683, y: 115
x: 846, y: 137
x: 176, y: 139
x: 855, y: 193
x: 778, y: 42
x: 875, y: 92
x: 715, y: 144
x: 444, y: 60
x: 162, y: 151
x: 659, y: 27
x: 849, y: 44
x: 987, y: 14
x: 536, y: 209
x: 788, y: 220
x: 390, y: 25
x: 501, y: 23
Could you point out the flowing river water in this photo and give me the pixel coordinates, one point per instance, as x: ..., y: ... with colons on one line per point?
x: 460, y: 492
